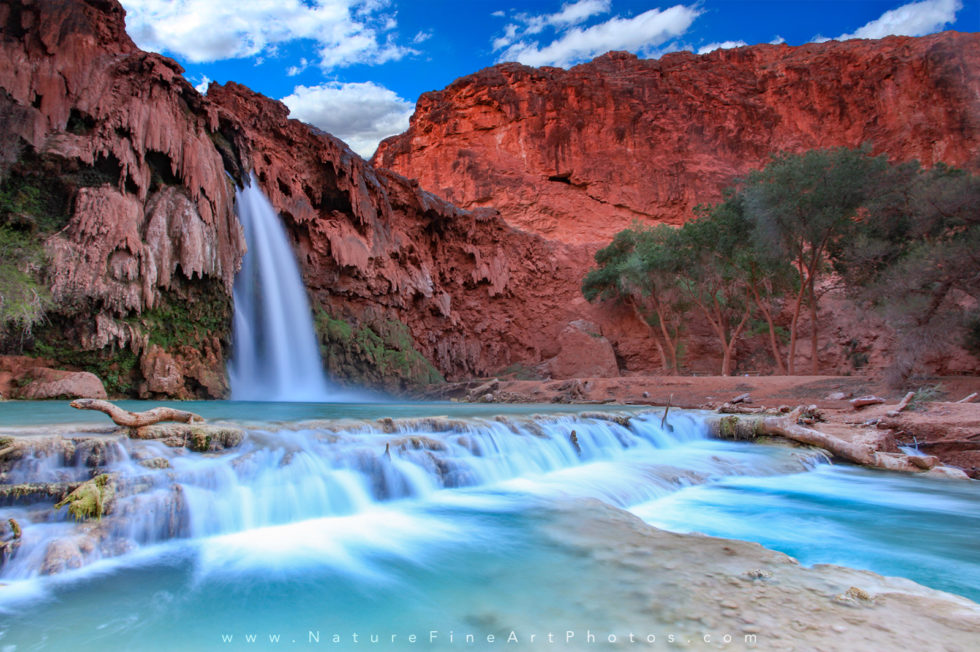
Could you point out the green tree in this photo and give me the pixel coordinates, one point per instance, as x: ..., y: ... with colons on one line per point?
x: 639, y: 270
x: 915, y: 257
x: 805, y: 208
x: 729, y: 274
x: 712, y: 246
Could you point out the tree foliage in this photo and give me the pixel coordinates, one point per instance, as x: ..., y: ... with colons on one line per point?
x: 905, y: 240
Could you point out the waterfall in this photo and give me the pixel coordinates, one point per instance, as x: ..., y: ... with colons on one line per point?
x: 276, y: 357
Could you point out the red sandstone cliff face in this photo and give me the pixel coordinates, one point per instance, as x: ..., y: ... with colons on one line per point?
x: 150, y: 246
x: 476, y: 294
x: 129, y: 146
x: 577, y: 154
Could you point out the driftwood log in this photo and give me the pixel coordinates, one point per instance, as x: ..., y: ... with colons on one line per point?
x: 129, y: 419
x: 787, y: 426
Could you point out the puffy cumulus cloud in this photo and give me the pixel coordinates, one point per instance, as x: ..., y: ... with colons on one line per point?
x: 913, y: 19
x: 724, y: 45
x: 641, y: 33
x: 345, y: 31
x: 359, y: 113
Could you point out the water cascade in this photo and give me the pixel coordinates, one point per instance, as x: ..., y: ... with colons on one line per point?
x: 278, y: 477
x: 356, y: 524
x: 276, y: 357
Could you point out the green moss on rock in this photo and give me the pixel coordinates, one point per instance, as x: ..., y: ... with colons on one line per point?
x: 91, y: 499
x: 380, y: 354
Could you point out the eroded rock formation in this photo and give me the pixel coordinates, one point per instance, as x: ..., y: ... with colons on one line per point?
x: 578, y: 154
x: 130, y: 157
x: 146, y: 244
x: 378, y: 252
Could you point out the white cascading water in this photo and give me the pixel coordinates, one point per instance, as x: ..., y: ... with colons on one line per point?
x: 280, y: 477
x: 276, y: 357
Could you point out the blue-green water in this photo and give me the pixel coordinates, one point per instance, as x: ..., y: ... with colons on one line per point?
x: 29, y: 413
x: 304, y: 533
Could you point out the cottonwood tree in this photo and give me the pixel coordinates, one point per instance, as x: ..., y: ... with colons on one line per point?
x: 735, y: 274
x: 915, y: 257
x: 639, y: 270
x: 805, y: 207
x: 710, y: 276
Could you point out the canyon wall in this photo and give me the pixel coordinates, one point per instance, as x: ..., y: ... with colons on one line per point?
x: 122, y: 176
x: 578, y: 154
x: 126, y: 175
x: 111, y: 160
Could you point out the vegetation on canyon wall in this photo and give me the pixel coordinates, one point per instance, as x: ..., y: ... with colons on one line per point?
x: 903, y: 240
x: 36, y: 196
x: 381, y: 354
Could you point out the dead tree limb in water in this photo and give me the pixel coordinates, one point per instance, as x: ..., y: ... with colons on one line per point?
x: 787, y: 426
x: 129, y: 419
x: 735, y: 427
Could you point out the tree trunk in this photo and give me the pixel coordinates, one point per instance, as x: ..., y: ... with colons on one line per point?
x: 791, y: 356
x: 123, y: 417
x: 668, y: 363
x: 777, y: 355
x: 814, y: 364
x: 671, y: 345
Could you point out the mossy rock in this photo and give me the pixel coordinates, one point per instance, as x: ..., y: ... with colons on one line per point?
x: 201, y: 438
x: 91, y: 499
x: 738, y: 428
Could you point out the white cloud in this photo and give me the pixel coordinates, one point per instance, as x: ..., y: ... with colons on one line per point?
x: 641, y: 33
x: 345, y: 31
x: 778, y: 40
x: 202, y: 87
x: 498, y: 14
x: 361, y: 113
x: 913, y: 19
x: 571, y: 14
x: 421, y: 37
x: 724, y: 45
x: 575, y: 13
x: 303, y: 64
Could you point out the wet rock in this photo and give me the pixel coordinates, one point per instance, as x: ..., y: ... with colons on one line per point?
x: 201, y: 438
x: 155, y: 463
x: 61, y: 555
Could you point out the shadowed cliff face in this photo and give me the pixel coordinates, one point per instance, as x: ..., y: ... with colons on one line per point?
x: 577, y: 154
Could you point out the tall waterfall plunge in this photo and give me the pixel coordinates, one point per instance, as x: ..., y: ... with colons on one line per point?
x: 276, y: 357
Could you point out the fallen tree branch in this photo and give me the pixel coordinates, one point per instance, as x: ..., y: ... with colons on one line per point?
x: 787, y: 426
x: 902, y: 405
x: 129, y: 419
x: 968, y: 399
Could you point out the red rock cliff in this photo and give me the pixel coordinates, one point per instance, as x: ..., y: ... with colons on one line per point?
x: 577, y: 154
x: 475, y: 294
x: 141, y: 268
x: 129, y: 148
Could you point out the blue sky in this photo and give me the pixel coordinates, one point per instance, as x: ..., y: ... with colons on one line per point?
x: 356, y: 67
